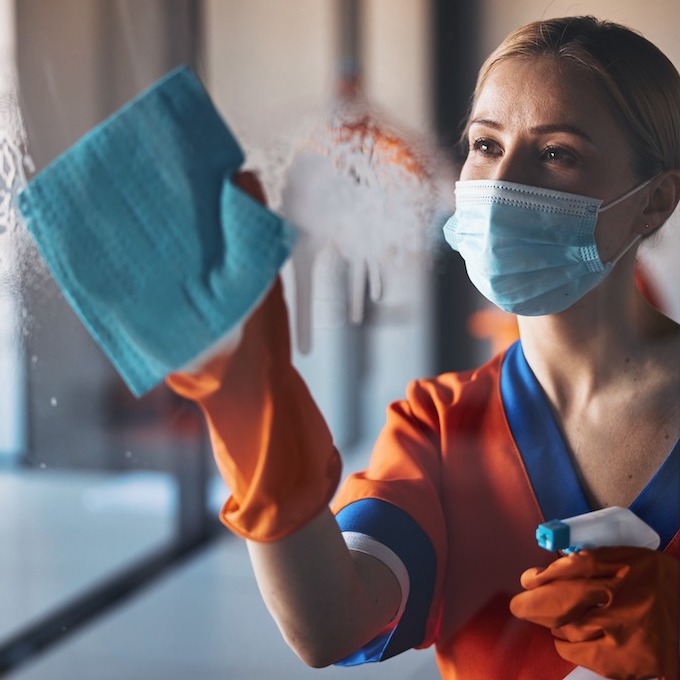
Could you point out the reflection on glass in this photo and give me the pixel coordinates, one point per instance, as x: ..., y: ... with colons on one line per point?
x: 92, y: 482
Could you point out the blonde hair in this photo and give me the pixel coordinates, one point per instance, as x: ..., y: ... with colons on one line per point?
x: 642, y: 85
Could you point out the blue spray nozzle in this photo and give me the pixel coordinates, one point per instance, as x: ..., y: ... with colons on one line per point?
x: 553, y: 535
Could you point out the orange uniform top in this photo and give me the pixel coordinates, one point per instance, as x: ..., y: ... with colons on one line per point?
x: 464, y: 470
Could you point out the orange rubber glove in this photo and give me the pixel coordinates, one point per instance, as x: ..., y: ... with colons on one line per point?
x: 612, y: 610
x: 271, y: 444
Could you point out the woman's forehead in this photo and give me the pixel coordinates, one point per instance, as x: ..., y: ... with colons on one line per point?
x: 542, y: 90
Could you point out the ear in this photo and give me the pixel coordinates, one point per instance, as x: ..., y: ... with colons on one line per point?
x: 664, y: 194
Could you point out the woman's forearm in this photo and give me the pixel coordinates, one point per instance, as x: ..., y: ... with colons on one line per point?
x: 326, y: 599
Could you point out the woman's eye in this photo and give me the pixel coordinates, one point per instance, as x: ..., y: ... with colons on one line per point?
x: 486, y: 147
x: 556, y: 154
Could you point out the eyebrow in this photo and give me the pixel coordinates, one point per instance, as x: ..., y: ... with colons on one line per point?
x: 541, y: 129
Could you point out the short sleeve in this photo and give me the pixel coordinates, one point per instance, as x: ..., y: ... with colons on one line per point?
x: 397, y: 501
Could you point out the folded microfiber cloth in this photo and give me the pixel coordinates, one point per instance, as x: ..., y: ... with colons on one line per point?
x: 156, y: 250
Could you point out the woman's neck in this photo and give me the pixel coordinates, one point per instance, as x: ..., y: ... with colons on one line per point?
x: 597, y: 342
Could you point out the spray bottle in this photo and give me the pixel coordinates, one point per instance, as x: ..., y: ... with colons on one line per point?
x: 608, y: 527
x: 613, y: 526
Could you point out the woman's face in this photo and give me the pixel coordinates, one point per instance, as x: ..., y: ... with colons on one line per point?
x: 542, y: 122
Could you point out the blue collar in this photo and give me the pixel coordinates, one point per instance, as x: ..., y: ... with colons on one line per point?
x: 550, y: 466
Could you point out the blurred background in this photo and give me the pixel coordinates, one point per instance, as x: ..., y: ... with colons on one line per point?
x: 113, y: 564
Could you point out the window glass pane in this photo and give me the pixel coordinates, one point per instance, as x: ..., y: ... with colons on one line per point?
x: 93, y: 483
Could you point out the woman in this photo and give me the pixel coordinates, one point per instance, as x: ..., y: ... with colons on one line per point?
x: 573, y: 158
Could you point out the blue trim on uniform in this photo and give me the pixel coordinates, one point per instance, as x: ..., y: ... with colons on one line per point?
x: 659, y: 502
x: 549, y: 464
x: 539, y: 440
x: 394, y: 528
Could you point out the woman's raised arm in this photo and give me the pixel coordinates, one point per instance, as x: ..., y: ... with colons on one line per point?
x: 275, y: 452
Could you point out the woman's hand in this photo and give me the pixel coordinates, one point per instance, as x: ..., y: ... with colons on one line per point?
x: 612, y: 610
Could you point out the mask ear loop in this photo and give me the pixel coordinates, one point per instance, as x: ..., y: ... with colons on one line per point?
x: 628, y: 194
x: 623, y: 251
x: 616, y: 201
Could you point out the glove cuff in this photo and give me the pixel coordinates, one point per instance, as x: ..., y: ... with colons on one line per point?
x: 272, y: 446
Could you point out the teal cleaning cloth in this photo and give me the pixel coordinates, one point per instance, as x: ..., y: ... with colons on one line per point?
x: 158, y: 253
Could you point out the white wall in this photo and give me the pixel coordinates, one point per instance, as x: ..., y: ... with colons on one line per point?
x: 268, y: 62
x: 658, y: 20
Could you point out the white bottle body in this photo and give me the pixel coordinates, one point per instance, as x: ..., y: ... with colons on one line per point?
x: 614, y: 526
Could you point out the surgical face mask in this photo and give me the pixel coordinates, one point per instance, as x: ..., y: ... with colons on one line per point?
x: 530, y: 251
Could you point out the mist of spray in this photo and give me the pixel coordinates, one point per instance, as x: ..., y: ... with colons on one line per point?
x: 360, y: 192
x: 14, y: 163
